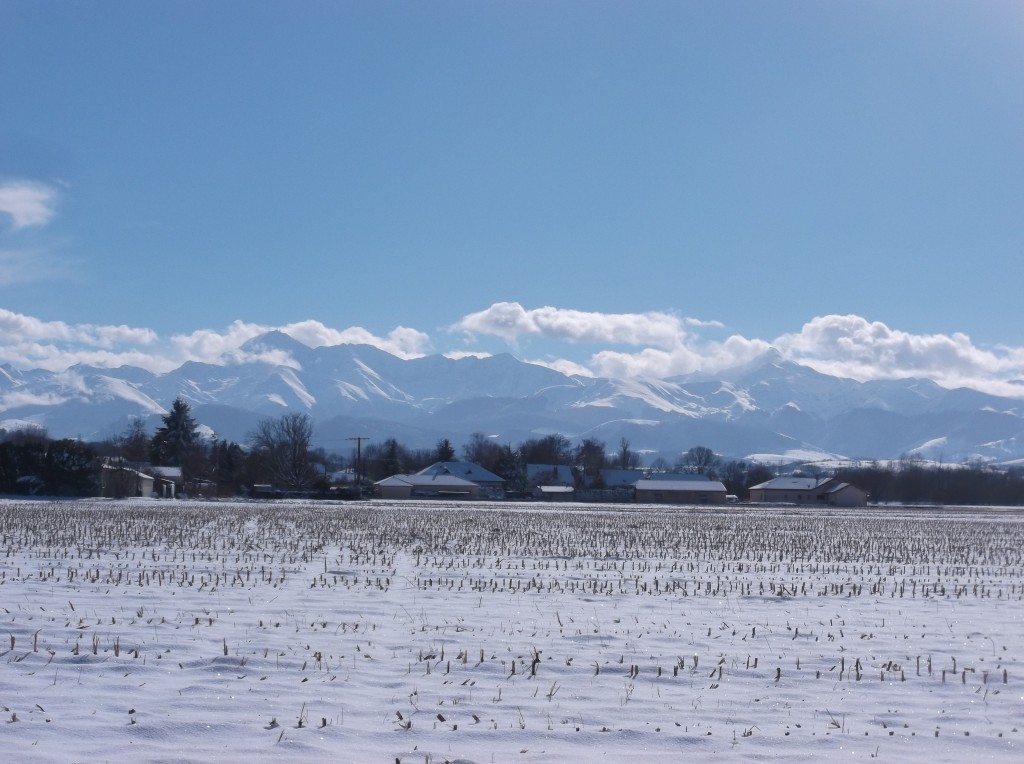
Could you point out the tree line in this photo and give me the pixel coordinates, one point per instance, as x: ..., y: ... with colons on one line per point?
x: 279, y: 452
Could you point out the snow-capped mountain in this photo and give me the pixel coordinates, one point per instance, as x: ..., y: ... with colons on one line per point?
x: 770, y: 406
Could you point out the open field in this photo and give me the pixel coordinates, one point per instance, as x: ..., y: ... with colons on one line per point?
x: 427, y: 632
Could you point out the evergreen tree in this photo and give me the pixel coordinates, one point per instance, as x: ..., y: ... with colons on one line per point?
x: 445, y: 451
x: 175, y: 442
x: 69, y: 469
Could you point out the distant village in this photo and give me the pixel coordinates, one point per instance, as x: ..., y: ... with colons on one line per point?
x: 278, y: 461
x: 558, y: 482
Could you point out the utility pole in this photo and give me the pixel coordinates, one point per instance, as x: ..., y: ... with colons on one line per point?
x: 359, y: 460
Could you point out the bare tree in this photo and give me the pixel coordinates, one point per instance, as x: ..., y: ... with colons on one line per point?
x: 591, y: 459
x: 282, y: 445
x: 628, y: 459
x: 700, y: 460
x: 482, y: 450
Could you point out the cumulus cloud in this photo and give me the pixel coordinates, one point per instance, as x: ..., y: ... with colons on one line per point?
x: 570, y: 368
x: 649, y: 345
x: 27, y: 203
x: 851, y: 346
x: 510, y: 321
x: 669, y: 345
x: 29, y: 329
x: 213, y: 347
x: 27, y: 342
x: 15, y: 399
x: 455, y: 355
x: 846, y: 346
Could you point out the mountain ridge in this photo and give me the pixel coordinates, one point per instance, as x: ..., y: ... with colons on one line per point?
x: 767, y: 406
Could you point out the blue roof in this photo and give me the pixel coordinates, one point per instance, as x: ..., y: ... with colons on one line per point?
x: 704, y: 485
x: 465, y: 470
x: 678, y: 476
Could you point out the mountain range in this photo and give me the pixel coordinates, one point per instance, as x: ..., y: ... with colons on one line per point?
x: 770, y: 409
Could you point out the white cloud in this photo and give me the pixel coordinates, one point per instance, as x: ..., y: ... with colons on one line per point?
x: 16, y: 398
x: 665, y: 346
x: 27, y: 328
x: 570, y: 368
x: 27, y: 342
x: 455, y: 355
x: 510, y: 321
x: 851, y: 346
x: 213, y: 347
x: 848, y: 346
x: 27, y: 203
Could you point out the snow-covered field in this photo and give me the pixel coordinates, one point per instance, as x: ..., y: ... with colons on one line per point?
x: 486, y: 632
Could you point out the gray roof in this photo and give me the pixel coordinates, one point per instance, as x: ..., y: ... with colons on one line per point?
x: 615, y: 476
x: 678, y: 476
x: 789, y: 483
x: 426, y: 481
x: 702, y: 486
x: 464, y: 470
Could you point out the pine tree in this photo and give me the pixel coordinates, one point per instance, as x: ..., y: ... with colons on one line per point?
x: 173, y: 443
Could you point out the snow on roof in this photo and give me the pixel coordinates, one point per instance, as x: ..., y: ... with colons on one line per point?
x: 839, y: 487
x: 678, y: 476
x: 789, y: 483
x: 465, y: 470
x: 420, y: 480
x: 618, y: 476
x: 555, y: 488
x: 703, y: 486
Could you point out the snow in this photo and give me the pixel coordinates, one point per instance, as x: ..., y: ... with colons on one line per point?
x: 420, y: 631
x: 289, y: 378
x: 932, y: 447
x: 128, y: 392
x: 350, y: 392
x: 794, y: 455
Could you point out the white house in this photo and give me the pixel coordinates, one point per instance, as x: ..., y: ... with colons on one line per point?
x: 554, y: 492
x: 808, y: 490
x: 120, y: 481
x: 420, y: 486
x: 489, y: 483
x: 689, y: 491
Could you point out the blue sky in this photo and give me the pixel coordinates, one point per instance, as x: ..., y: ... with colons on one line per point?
x: 624, y: 188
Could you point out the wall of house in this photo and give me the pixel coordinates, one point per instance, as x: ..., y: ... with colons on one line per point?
x: 680, y: 497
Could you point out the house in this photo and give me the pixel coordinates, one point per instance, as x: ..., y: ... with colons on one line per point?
x: 677, y: 476
x: 420, y: 486
x: 491, y: 485
x: 688, y: 491
x: 808, y: 490
x: 167, y: 481
x: 554, y: 492
x: 118, y: 481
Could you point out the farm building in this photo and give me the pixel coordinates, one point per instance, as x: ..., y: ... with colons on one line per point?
x: 119, y: 481
x: 554, y: 492
x: 491, y: 485
x: 697, y: 491
x: 421, y: 486
x: 809, y: 490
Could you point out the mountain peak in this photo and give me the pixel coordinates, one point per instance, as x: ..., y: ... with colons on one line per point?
x: 274, y: 340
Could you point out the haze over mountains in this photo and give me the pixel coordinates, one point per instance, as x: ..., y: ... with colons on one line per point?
x: 767, y: 408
